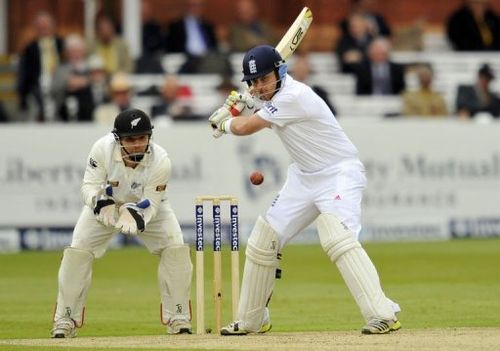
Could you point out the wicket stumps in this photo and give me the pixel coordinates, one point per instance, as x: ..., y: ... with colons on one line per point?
x: 217, y: 245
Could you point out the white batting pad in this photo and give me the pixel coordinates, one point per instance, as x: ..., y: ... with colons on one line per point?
x: 355, y: 266
x: 259, y: 274
x: 75, y: 276
x: 174, y: 278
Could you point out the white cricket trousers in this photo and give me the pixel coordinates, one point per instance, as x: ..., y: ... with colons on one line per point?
x: 304, y: 196
x: 163, y: 230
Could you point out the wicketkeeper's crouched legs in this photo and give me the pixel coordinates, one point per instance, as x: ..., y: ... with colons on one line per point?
x: 357, y: 269
x: 258, y: 279
x: 174, y: 277
x: 75, y: 275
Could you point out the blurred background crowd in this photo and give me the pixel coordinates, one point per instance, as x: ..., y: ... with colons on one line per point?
x: 85, y: 60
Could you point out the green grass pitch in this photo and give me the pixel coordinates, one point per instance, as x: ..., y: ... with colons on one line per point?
x: 438, y: 285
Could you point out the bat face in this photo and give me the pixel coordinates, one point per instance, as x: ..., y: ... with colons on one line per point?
x: 292, y: 38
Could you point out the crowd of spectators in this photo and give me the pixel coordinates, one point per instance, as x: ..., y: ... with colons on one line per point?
x: 68, y: 79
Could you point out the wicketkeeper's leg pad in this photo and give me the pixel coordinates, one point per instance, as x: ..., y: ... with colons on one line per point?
x: 355, y: 266
x: 258, y: 275
x: 174, y: 278
x: 75, y: 276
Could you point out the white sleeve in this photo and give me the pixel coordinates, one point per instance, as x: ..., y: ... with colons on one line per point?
x: 156, y: 185
x: 284, y: 109
x: 95, y: 174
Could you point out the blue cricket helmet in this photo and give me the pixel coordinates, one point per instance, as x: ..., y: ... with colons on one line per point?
x: 262, y: 60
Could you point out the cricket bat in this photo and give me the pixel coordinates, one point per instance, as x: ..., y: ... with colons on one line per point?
x: 294, y: 35
x: 289, y: 43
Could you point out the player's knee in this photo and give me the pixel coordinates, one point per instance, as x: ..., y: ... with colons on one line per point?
x: 175, y: 259
x: 263, y: 244
x: 75, y: 255
x: 336, y: 238
x: 176, y: 252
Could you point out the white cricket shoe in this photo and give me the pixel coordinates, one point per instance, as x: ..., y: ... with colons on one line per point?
x: 236, y: 328
x: 63, y: 328
x: 179, y: 326
x: 381, y: 326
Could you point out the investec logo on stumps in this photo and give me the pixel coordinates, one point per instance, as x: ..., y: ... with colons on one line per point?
x: 199, y: 228
x: 217, y: 229
x: 234, y: 228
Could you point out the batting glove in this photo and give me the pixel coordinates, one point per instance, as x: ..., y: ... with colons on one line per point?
x: 104, y: 208
x: 131, y: 219
x: 237, y: 102
x: 217, y: 120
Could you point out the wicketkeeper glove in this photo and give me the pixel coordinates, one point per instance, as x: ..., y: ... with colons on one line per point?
x: 104, y: 207
x: 131, y: 219
x: 236, y: 102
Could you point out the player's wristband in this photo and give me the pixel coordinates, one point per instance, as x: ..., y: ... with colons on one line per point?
x: 227, y: 126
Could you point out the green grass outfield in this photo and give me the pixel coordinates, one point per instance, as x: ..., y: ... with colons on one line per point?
x: 438, y: 285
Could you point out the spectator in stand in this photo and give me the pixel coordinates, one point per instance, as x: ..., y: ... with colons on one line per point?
x: 3, y: 114
x: 473, y: 99
x: 121, y: 90
x: 112, y: 49
x: 425, y: 101
x: 99, y: 82
x: 301, y: 71
x: 352, y: 47
x: 379, y: 75
x: 71, y: 83
x: 152, y: 43
x: 474, y: 27
x: 177, y: 102
x: 152, y: 37
x: 37, y: 64
x: 377, y: 25
x: 222, y: 90
x: 193, y: 36
x: 249, y: 30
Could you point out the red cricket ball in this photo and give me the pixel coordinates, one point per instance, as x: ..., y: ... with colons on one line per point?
x: 256, y: 178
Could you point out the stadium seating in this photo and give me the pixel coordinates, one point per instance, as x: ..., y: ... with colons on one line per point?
x: 451, y: 69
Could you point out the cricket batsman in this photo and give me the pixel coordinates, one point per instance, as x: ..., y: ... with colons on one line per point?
x: 124, y: 190
x: 325, y: 183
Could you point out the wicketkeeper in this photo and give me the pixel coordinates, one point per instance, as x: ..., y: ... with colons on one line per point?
x: 124, y: 190
x: 325, y: 183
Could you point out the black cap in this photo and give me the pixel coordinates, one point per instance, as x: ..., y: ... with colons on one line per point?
x: 486, y: 71
x: 132, y: 122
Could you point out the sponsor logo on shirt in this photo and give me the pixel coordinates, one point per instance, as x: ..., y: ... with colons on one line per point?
x: 135, y: 185
x: 161, y: 187
x: 92, y: 163
x: 270, y: 107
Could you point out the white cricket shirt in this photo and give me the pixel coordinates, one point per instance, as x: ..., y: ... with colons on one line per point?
x: 146, y: 181
x: 306, y: 126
